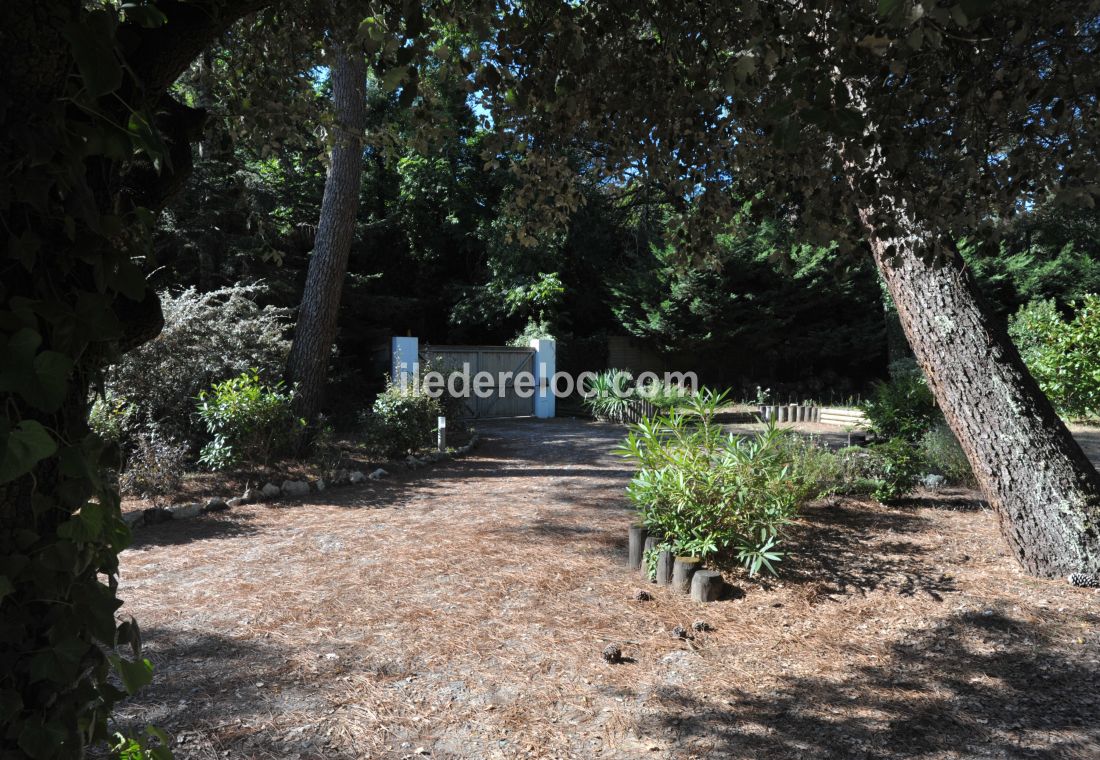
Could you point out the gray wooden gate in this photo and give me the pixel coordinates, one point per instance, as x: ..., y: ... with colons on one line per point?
x: 502, y: 363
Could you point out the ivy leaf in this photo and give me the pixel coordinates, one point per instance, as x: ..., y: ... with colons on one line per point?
x: 147, y: 140
x: 22, y: 448
x: 92, y: 43
x: 24, y: 249
x: 51, y: 381
x: 10, y: 702
x: 39, y: 739
x: 888, y: 9
x: 144, y: 14
x: 135, y: 674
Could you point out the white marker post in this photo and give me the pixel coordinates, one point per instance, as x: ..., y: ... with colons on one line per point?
x: 442, y: 429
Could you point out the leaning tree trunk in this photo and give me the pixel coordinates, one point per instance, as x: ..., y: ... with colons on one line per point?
x: 1045, y: 491
x: 307, y: 365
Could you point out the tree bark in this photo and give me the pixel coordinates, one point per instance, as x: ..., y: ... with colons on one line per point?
x: 307, y: 366
x: 1043, y: 488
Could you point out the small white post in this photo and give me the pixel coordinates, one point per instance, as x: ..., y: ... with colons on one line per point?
x: 545, y: 367
x: 405, y: 356
x: 442, y: 433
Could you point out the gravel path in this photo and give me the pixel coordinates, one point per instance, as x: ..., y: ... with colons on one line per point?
x: 460, y: 611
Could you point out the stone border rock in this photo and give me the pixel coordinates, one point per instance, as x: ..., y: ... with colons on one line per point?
x: 291, y: 488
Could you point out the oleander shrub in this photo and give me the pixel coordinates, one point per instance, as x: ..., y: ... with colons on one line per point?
x: 207, y: 338
x: 707, y: 493
x: 248, y: 422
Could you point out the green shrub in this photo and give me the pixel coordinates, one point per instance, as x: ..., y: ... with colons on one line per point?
x: 249, y: 422
x: 941, y: 453
x: 207, y: 338
x: 856, y: 473
x: 1062, y: 355
x: 708, y: 493
x: 896, y: 466
x: 402, y: 420
x: 902, y: 407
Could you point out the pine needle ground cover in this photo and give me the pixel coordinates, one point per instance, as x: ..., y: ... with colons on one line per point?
x: 463, y: 611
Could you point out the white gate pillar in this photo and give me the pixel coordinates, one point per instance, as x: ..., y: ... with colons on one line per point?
x: 404, y: 358
x: 545, y: 367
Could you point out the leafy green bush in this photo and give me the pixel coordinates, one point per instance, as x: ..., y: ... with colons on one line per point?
x: 402, y: 420
x: 1062, y: 355
x: 707, y: 493
x: 856, y: 472
x: 249, y: 422
x: 885, y: 470
x: 896, y: 465
x: 207, y: 338
x: 902, y: 407
x: 941, y: 453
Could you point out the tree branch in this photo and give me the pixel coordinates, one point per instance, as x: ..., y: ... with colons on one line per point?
x: 158, y: 56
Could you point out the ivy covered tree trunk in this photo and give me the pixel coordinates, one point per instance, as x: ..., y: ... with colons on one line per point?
x: 315, y: 332
x: 91, y: 146
x: 1045, y: 491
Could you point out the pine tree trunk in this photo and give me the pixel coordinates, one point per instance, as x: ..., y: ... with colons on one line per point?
x: 315, y: 332
x: 1045, y: 491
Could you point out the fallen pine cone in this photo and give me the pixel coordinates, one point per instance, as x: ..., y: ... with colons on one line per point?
x: 701, y: 626
x: 612, y: 653
x: 1083, y: 580
x: 642, y: 596
x: 680, y: 632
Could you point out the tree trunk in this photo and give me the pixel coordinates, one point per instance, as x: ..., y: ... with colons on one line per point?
x: 307, y: 365
x: 1045, y: 491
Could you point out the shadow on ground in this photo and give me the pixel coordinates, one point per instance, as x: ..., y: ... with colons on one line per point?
x: 977, y: 684
x: 842, y: 552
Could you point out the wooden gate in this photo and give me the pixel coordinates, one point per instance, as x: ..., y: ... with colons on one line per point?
x: 502, y: 363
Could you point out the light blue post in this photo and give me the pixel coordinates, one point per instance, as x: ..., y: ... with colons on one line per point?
x: 405, y: 355
x: 545, y: 367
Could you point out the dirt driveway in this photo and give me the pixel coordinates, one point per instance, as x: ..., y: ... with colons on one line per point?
x: 461, y: 612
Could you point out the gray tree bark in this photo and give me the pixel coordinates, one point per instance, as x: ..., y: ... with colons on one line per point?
x: 1043, y: 488
x: 307, y: 366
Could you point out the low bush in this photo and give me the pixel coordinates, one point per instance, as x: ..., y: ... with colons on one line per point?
x: 898, y: 466
x: 942, y: 455
x: 884, y: 470
x: 154, y: 466
x: 704, y: 492
x: 249, y: 422
x: 207, y: 338
x: 402, y: 420
x: 902, y: 407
